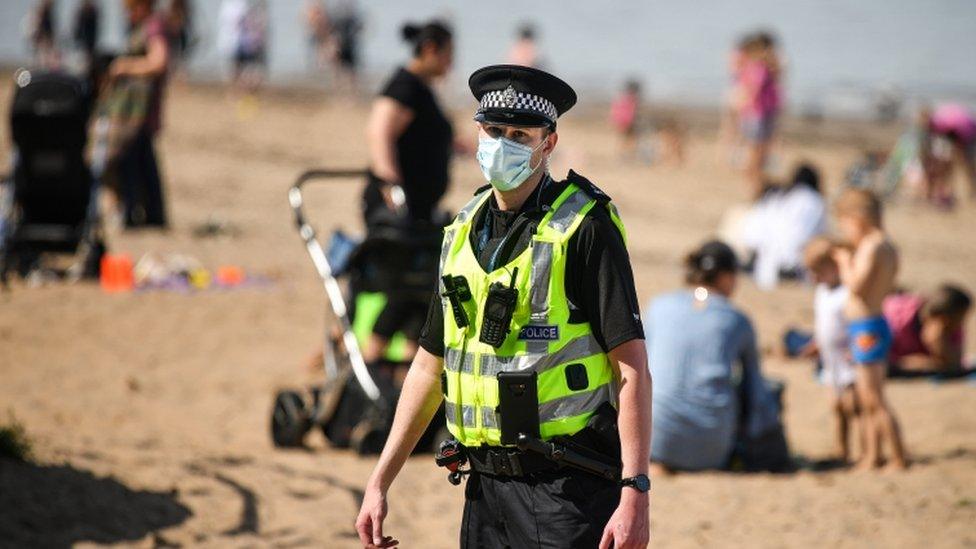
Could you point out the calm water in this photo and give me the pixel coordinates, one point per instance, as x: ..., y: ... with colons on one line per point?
x: 840, y: 53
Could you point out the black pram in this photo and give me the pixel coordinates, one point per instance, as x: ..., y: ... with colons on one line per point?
x: 397, y: 258
x: 53, y: 204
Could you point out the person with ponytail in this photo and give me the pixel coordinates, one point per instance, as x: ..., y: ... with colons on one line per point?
x: 410, y: 143
x: 699, y: 346
x: 410, y: 139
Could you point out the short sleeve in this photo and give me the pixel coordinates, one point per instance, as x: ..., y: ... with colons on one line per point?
x: 601, y: 282
x: 432, y: 335
x: 404, y: 88
x: 155, y: 28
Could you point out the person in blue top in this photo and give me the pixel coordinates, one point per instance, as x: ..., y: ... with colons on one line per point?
x: 705, y: 364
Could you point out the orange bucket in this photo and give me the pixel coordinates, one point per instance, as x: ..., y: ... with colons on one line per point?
x: 116, y: 273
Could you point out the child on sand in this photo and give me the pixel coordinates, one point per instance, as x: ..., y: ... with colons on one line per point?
x: 928, y: 331
x: 869, y: 272
x: 830, y: 340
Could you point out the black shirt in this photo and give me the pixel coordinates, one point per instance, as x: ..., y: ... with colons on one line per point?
x: 424, y: 148
x: 599, y: 280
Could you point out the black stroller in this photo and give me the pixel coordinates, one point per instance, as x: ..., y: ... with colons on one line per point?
x: 354, y: 408
x: 50, y: 202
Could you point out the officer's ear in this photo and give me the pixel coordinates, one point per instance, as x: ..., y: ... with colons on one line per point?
x: 551, y: 139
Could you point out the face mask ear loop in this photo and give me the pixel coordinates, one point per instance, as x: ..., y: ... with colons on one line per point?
x: 544, y: 160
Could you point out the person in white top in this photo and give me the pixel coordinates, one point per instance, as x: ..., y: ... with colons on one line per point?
x: 781, y: 223
x: 830, y: 340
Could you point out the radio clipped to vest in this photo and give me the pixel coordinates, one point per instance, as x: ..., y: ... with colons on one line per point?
x: 456, y: 290
x: 496, y: 319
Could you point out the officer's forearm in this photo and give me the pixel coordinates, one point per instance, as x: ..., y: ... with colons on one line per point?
x: 634, y: 416
x: 419, y: 399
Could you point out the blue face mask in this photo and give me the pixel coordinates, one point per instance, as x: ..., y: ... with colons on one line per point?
x: 505, y: 163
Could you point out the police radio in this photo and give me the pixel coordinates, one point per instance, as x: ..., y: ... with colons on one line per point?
x: 457, y: 292
x: 497, y: 315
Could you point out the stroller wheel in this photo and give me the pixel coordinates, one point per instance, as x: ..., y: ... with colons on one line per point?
x: 368, y: 438
x: 289, y: 420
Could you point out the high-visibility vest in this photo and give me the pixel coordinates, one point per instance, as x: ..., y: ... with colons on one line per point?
x: 541, y: 338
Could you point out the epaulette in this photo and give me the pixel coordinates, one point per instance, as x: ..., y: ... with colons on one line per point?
x: 588, y: 187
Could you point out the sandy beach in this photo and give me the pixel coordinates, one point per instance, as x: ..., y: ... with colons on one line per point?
x: 149, y: 410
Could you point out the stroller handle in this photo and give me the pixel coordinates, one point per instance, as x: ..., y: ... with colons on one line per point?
x: 295, y: 193
x: 327, y: 274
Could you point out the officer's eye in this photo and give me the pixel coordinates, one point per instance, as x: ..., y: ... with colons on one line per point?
x: 493, y: 131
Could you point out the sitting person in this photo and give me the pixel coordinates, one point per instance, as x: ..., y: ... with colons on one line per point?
x: 696, y: 339
x: 830, y: 340
x: 781, y: 223
x: 928, y: 332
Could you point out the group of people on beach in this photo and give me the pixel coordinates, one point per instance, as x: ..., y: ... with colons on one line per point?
x: 49, y: 46
x: 126, y: 90
x: 711, y: 400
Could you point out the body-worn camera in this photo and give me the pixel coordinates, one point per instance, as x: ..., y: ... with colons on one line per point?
x: 496, y: 318
x: 457, y: 292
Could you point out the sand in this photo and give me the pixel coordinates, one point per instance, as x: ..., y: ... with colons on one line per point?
x: 149, y: 411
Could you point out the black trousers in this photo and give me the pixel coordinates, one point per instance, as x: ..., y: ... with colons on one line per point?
x: 142, y: 188
x: 565, y: 508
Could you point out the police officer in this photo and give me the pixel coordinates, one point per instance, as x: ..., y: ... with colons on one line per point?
x: 536, y: 281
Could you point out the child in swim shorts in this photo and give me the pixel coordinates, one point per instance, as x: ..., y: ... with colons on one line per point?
x: 868, y: 269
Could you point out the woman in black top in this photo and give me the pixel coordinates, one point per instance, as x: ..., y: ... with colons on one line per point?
x: 410, y: 144
x: 409, y: 138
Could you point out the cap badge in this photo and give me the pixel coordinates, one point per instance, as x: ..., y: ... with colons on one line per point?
x: 508, y: 97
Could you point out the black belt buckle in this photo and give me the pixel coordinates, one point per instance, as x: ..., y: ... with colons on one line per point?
x: 505, y: 463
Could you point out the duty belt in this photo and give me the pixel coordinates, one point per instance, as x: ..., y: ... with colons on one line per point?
x: 507, y: 462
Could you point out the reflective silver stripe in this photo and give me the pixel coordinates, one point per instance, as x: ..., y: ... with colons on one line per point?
x: 563, y: 217
x: 467, y: 416
x: 454, y: 361
x: 541, y: 272
x: 577, y: 349
x: 489, y: 419
x: 451, y: 357
x: 576, y: 404
x: 539, y: 291
x: 471, y: 206
x: 567, y: 406
x: 446, y: 246
x: 445, y: 251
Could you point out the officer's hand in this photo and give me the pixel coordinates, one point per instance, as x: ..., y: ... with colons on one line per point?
x: 629, y: 527
x: 369, y: 524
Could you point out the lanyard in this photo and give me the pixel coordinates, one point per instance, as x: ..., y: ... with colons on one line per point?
x: 485, y: 232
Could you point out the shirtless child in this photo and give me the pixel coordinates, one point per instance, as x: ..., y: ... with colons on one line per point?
x: 868, y: 272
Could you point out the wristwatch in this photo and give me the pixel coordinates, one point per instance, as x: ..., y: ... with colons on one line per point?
x: 640, y: 483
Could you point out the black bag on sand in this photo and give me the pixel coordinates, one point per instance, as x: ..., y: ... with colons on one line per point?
x: 769, y: 451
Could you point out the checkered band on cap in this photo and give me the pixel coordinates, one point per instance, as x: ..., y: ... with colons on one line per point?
x: 514, y: 100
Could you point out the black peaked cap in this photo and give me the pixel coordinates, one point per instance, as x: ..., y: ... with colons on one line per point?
x: 520, y: 96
